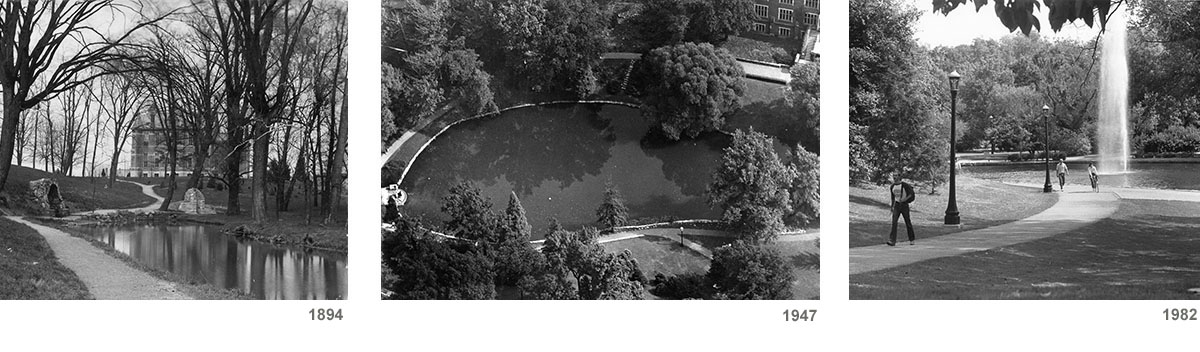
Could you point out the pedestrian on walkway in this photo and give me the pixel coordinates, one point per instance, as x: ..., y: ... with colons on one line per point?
x: 1094, y: 176
x: 901, y: 194
x: 1062, y: 174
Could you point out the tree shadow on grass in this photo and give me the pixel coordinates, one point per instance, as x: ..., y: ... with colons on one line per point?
x: 807, y: 261
x: 869, y: 202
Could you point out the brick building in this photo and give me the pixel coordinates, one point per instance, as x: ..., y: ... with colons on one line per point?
x: 793, y: 24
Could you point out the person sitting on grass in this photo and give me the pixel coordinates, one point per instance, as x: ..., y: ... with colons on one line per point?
x: 901, y: 194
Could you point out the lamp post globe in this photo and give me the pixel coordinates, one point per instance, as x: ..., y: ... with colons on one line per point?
x: 1046, y: 188
x: 952, y: 217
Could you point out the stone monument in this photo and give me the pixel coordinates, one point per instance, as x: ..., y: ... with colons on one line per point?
x: 193, y: 203
x: 47, y: 197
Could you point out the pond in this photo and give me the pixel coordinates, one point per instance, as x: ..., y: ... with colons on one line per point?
x: 1160, y: 175
x: 558, y: 158
x: 205, y: 255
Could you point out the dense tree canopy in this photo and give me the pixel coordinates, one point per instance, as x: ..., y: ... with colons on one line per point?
x: 690, y: 88
x: 746, y: 271
x: 752, y: 186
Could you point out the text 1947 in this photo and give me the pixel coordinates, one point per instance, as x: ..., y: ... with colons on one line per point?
x: 799, y: 315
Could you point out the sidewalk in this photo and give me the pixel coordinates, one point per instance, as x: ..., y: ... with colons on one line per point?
x: 1075, y: 209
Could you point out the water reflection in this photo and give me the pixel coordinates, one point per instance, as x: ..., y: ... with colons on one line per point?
x: 558, y: 159
x: 202, y: 254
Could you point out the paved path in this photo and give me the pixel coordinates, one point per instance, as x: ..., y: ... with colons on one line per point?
x: 395, y: 146
x: 105, y: 277
x: 1072, y: 211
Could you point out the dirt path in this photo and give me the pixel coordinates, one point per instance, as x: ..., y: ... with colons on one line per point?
x: 105, y: 277
x: 1072, y: 211
x: 148, y: 190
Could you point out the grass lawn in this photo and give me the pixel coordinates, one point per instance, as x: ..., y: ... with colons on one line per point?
x: 981, y: 203
x: 80, y: 193
x: 30, y: 270
x: 1147, y: 250
x: 805, y: 258
x: 660, y: 255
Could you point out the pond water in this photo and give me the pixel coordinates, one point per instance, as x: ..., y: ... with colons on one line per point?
x: 558, y: 158
x: 1140, y: 175
x: 203, y: 254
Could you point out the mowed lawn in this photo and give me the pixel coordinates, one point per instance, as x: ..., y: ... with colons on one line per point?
x: 805, y: 258
x: 30, y: 270
x: 1147, y: 250
x: 660, y: 255
x: 981, y: 203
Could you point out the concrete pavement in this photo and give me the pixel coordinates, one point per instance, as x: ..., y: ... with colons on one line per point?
x: 1074, y: 209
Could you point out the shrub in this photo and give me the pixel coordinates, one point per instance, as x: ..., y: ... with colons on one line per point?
x: 686, y: 286
x: 1175, y: 139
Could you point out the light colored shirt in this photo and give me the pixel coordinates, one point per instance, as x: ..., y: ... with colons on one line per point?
x: 898, y: 193
x: 1062, y: 168
x: 1092, y: 170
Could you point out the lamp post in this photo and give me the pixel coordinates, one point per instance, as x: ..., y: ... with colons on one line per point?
x: 952, y: 207
x: 1047, y: 188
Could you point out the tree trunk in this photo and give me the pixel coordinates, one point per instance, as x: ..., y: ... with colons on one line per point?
x: 262, y: 145
x: 339, y: 163
x: 12, y: 114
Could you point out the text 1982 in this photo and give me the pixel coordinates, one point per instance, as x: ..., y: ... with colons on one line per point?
x: 1179, y: 314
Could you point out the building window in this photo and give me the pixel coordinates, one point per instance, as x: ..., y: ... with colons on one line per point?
x: 761, y: 28
x: 785, y: 32
x: 812, y: 4
x: 811, y: 19
x: 787, y: 2
x: 762, y: 11
x: 785, y: 15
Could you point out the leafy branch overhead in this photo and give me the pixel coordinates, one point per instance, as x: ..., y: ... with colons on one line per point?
x: 1016, y: 14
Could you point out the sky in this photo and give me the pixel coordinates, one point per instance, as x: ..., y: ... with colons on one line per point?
x: 963, y: 25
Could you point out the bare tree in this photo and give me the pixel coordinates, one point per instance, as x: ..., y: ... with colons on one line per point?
x: 266, y: 31
x: 31, y: 36
x: 120, y: 99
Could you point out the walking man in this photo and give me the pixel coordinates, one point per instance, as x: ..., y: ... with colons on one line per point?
x: 901, y: 195
x: 1062, y: 174
x: 1094, y: 176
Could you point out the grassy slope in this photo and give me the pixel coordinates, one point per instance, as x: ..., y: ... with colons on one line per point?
x: 80, y: 193
x: 1146, y: 251
x: 981, y: 204
x: 30, y: 270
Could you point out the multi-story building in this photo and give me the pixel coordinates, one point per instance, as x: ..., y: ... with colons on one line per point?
x: 147, y: 155
x: 793, y: 24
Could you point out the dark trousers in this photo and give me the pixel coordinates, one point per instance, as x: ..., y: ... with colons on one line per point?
x: 898, y: 210
x: 1062, y: 179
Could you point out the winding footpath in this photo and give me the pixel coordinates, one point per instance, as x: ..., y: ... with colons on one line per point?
x: 1076, y: 208
x: 106, y: 277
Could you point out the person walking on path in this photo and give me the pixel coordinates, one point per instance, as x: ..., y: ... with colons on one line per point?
x: 1094, y: 177
x: 1062, y: 174
x: 901, y: 195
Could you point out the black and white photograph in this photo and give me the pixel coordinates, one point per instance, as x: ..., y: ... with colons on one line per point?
x: 165, y: 150
x: 583, y: 150
x: 1024, y: 150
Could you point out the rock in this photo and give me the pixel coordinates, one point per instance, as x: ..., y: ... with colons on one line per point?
x: 193, y: 203
x: 47, y: 197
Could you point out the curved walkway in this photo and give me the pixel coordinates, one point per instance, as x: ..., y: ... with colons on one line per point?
x: 148, y: 190
x: 106, y: 277
x: 1074, y: 209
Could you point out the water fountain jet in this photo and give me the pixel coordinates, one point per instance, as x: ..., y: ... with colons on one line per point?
x: 1112, y: 135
